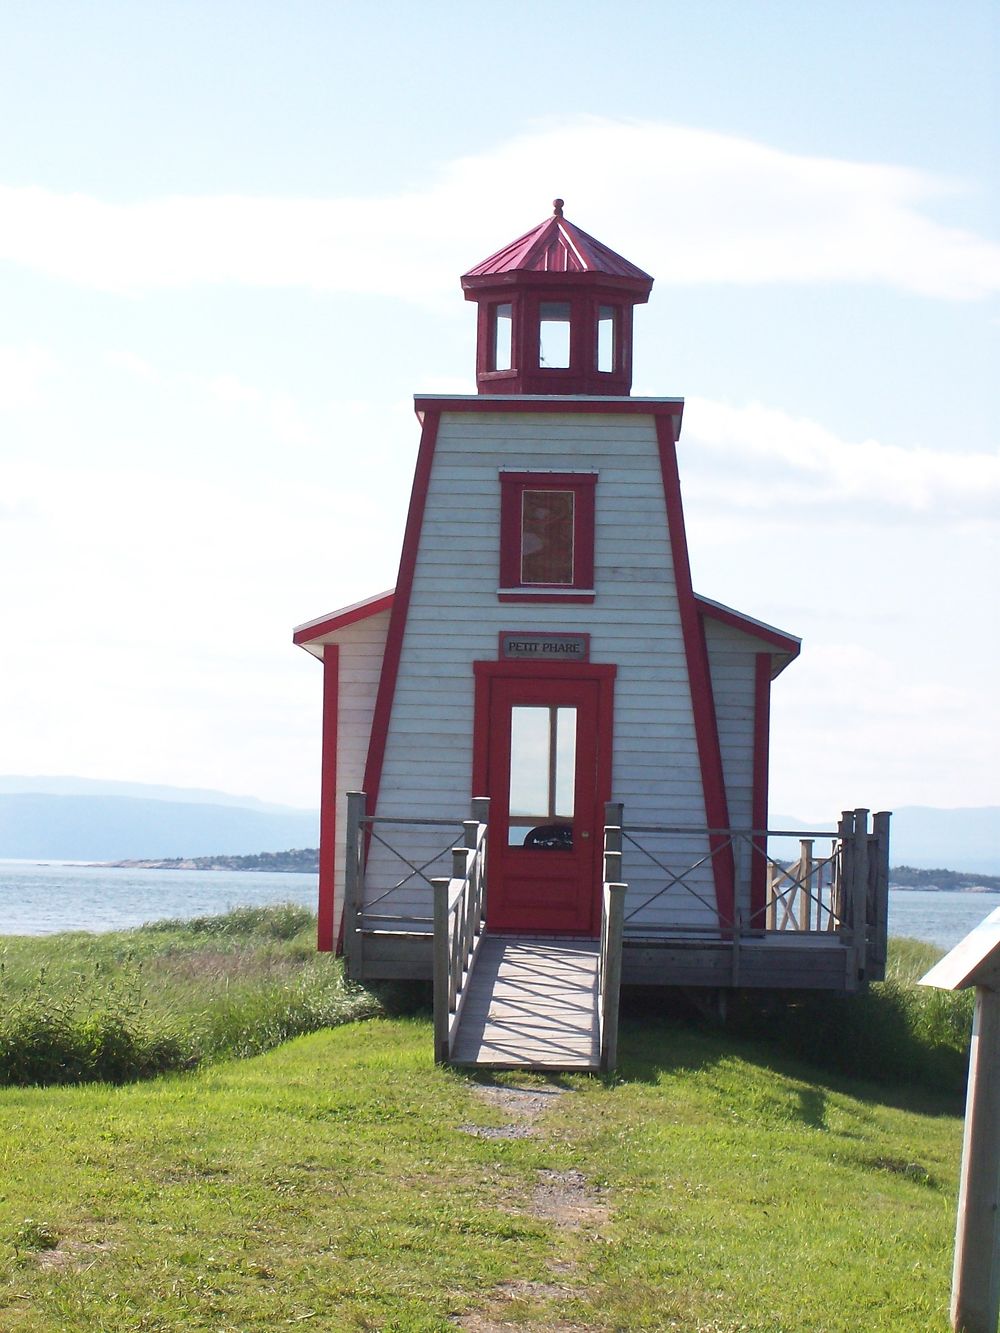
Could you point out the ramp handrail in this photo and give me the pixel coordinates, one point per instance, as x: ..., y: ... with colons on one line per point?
x: 459, y: 926
x: 609, y: 972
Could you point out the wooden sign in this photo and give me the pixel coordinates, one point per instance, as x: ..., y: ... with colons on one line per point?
x: 975, y: 1291
x: 516, y: 646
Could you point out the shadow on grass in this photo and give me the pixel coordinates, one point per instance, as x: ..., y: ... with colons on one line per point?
x: 879, y: 1038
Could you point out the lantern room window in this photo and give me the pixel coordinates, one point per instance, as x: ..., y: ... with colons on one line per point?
x: 501, y: 336
x: 607, y: 338
x: 547, y: 536
x: 553, y: 335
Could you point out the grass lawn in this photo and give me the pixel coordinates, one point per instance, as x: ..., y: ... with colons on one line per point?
x: 330, y: 1184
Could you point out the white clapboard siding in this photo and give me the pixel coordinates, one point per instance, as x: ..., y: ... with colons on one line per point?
x: 361, y: 648
x: 732, y: 658
x: 455, y: 617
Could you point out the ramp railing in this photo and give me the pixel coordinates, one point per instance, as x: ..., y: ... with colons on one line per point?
x: 459, y: 926
x: 609, y: 974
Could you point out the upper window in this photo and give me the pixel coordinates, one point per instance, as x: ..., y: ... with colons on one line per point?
x: 546, y: 535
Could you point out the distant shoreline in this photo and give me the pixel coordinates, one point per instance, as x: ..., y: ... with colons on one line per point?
x: 295, y: 861
x: 306, y: 861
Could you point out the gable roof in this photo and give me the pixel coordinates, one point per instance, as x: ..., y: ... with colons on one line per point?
x: 780, y: 644
x: 311, y: 634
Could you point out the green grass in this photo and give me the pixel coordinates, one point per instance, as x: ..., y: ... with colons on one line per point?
x: 328, y: 1184
x: 79, y: 1007
x: 729, y: 1184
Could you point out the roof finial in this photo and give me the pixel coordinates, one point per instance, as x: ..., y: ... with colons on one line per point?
x: 557, y: 207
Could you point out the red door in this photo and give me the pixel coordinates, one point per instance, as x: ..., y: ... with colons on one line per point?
x: 546, y: 808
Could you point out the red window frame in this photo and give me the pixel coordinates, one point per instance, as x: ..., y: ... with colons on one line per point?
x: 512, y: 488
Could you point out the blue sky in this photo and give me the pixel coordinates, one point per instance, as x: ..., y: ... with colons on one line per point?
x: 230, y: 242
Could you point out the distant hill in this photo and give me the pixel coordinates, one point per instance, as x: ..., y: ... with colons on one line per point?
x: 70, y: 786
x: 926, y: 837
x: 37, y: 825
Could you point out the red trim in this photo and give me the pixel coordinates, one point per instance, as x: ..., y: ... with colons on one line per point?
x: 348, y: 615
x: 571, y: 404
x: 512, y: 488
x: 328, y: 803
x: 400, y: 608
x: 726, y: 615
x: 761, y: 757
x: 702, y: 702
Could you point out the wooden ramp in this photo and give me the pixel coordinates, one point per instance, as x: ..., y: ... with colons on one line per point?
x: 532, y: 1003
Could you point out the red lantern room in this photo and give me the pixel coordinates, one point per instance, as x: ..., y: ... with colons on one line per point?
x: 555, y: 313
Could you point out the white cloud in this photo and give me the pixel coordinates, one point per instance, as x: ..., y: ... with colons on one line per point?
x: 690, y: 205
x: 133, y: 365
x: 853, y: 728
x: 759, y: 458
x: 22, y: 371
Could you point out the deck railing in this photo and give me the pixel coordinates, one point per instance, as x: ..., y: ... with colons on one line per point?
x: 609, y: 975
x: 842, y: 892
x: 382, y: 912
x: 459, y: 923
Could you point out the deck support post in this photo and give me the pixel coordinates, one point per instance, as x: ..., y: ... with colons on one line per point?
x: 441, y: 1006
x: 354, y: 882
x: 880, y: 895
x: 859, y: 890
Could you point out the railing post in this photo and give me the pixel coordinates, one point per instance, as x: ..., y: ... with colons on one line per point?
x: 611, y: 974
x: 859, y: 871
x: 441, y: 969
x: 880, y: 905
x: 805, y: 883
x: 845, y: 901
x: 480, y: 809
x: 354, y: 883
x: 614, y: 813
x: 738, y: 854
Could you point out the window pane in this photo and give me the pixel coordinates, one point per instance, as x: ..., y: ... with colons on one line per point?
x: 547, y: 536
x: 606, y: 338
x: 553, y: 334
x: 529, y: 762
x: 542, y: 777
x: 501, y: 338
x: 565, y: 775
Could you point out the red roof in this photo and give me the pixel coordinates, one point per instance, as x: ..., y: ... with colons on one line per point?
x: 557, y: 246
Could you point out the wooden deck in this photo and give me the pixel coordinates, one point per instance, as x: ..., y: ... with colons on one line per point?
x: 532, y: 1004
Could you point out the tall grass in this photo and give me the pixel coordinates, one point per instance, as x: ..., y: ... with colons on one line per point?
x: 175, y: 994
x: 167, y: 996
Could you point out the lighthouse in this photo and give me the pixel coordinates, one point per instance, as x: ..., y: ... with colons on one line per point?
x: 544, y: 648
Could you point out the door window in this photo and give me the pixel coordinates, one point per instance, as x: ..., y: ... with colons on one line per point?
x: 542, y: 776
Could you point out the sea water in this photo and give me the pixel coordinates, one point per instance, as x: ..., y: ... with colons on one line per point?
x: 42, y: 899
